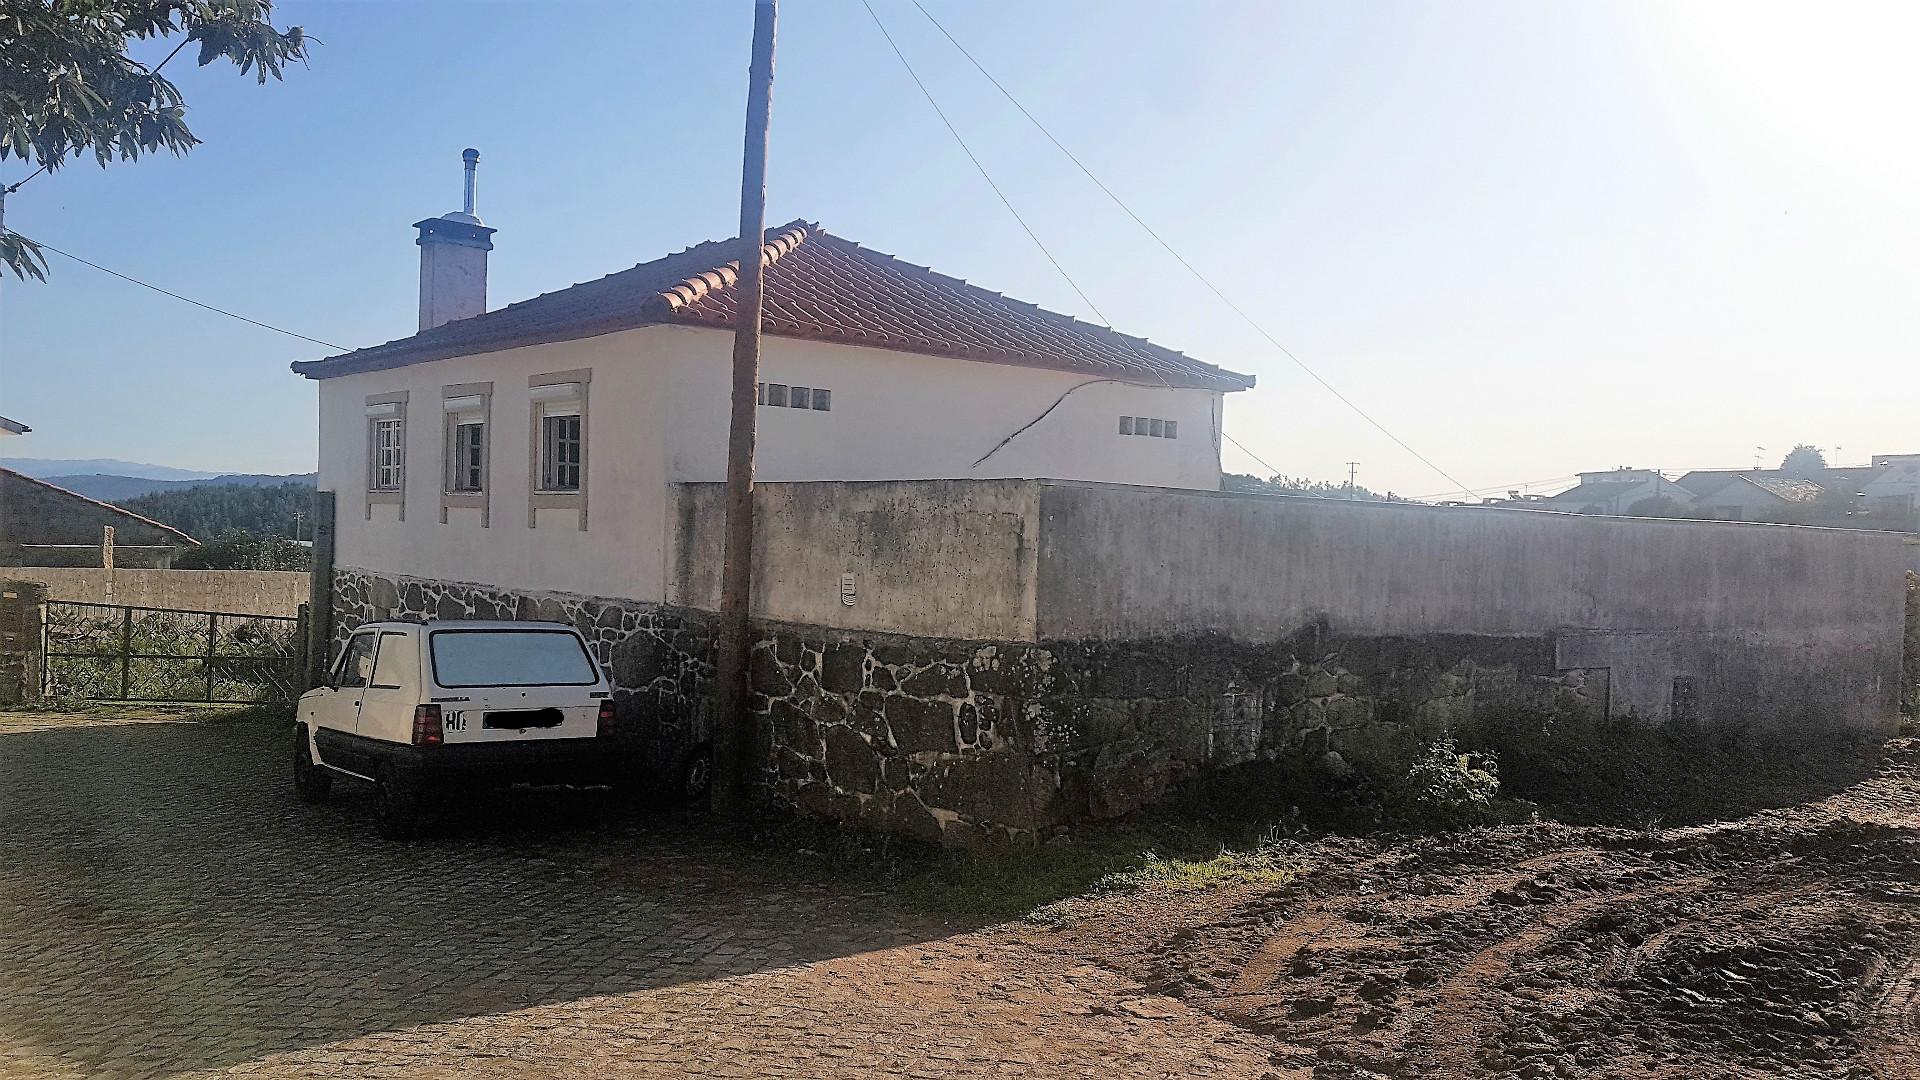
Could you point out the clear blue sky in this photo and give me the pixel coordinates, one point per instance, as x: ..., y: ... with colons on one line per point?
x: 1529, y: 238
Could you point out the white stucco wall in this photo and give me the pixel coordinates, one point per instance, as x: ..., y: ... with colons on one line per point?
x: 621, y: 553
x: 657, y: 414
x: 901, y: 416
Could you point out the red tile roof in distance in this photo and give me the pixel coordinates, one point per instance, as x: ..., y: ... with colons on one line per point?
x: 818, y: 287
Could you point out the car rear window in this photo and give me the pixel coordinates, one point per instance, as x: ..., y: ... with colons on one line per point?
x: 510, y: 658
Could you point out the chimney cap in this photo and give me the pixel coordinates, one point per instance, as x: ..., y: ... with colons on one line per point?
x: 468, y: 214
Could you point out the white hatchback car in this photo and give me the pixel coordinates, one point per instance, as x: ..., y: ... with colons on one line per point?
x: 412, y: 706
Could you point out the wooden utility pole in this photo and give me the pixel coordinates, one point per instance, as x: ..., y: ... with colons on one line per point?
x: 320, y: 591
x: 730, y: 723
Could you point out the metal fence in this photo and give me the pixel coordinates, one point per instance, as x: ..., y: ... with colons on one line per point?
x: 116, y: 653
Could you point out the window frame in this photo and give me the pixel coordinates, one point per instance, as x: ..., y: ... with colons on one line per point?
x: 467, y: 458
x: 1150, y: 427
x: 380, y: 650
x: 555, y: 462
x: 817, y: 398
x: 539, y: 496
x: 586, y: 654
x: 340, y: 665
x: 381, y: 410
x: 458, y: 410
x: 381, y: 465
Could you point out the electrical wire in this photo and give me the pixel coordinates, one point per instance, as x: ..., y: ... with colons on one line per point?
x: 1271, y: 471
x: 1181, y: 259
x: 189, y: 300
x: 16, y: 185
x: 955, y: 132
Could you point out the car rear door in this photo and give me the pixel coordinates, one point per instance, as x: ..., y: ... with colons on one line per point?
x: 393, y: 691
x: 515, y: 683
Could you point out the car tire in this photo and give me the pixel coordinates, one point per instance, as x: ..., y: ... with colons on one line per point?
x: 311, y: 783
x: 397, y: 809
x: 696, y: 777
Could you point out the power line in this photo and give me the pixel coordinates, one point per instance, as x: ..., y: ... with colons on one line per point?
x: 1505, y: 487
x: 1271, y: 471
x: 17, y: 184
x: 1181, y: 259
x: 955, y: 132
x: 189, y: 300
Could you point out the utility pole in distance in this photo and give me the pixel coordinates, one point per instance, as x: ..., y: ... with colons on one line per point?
x: 730, y: 724
x: 1353, y: 470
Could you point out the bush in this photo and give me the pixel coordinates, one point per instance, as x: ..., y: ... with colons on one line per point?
x: 1447, y: 787
x: 234, y: 550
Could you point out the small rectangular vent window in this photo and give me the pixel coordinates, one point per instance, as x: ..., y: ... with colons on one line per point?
x: 782, y: 396
x: 1149, y: 426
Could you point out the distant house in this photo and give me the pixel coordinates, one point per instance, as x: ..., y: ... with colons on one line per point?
x: 1756, y: 498
x: 44, y: 525
x: 1612, y: 492
x: 1893, y: 489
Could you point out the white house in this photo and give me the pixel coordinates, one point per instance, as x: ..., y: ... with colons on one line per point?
x: 534, y: 447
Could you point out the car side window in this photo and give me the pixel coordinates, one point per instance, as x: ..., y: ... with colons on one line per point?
x: 356, y: 663
x: 389, y: 668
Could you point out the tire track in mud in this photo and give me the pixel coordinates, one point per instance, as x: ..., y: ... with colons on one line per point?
x: 1893, y: 1044
x: 1781, y: 944
x: 1463, y: 1005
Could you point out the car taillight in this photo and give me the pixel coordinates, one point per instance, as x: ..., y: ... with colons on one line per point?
x: 426, y: 726
x: 607, y: 717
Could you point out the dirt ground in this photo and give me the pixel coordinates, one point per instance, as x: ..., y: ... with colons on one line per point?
x: 167, y: 910
x: 1783, y: 944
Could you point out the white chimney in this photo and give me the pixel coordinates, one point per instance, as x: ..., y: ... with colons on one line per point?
x: 453, y: 260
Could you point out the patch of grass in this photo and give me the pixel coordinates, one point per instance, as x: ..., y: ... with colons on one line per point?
x: 1163, y: 855
x: 1269, y: 862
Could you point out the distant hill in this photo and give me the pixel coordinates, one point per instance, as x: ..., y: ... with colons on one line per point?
x: 210, y: 510
x: 119, y: 488
x: 46, y: 468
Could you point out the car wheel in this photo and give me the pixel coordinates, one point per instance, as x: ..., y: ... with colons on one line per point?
x: 311, y: 783
x: 696, y: 777
x: 398, y: 810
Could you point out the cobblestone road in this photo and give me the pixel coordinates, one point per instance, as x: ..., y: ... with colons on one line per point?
x: 167, y: 909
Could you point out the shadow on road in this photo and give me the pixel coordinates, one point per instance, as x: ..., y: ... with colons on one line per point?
x: 166, y: 906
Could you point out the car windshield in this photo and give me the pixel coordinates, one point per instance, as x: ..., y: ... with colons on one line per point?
x: 510, y: 658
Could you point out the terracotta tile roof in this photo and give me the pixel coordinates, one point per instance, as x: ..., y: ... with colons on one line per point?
x: 1786, y: 487
x: 819, y: 287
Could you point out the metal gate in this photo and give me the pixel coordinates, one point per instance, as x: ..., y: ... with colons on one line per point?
x: 117, y: 653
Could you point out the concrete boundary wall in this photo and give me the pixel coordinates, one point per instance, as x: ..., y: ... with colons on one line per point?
x: 251, y: 592
x: 1020, y: 655
x: 935, y: 558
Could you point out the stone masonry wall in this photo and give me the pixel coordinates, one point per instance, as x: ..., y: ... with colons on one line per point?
x: 22, y: 607
x: 971, y: 743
